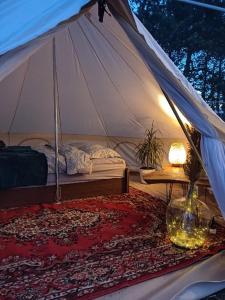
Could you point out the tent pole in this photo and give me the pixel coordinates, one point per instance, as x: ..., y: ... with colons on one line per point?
x: 184, y: 129
x: 56, y: 119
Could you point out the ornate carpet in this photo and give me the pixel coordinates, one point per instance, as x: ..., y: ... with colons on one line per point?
x: 85, y: 248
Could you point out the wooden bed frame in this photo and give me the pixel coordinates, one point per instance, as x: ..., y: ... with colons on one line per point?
x: 24, y: 196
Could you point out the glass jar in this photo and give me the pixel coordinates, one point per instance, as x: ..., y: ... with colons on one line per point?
x: 188, y: 220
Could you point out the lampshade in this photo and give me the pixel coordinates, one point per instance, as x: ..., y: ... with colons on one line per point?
x: 177, y: 154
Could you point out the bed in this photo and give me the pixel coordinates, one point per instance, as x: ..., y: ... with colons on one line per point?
x: 98, y: 171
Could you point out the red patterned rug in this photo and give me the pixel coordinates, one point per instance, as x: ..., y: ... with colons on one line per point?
x: 88, y: 247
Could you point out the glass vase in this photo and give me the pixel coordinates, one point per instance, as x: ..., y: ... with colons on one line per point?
x: 188, y: 220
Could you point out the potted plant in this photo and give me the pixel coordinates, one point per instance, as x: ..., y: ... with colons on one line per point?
x: 150, y: 152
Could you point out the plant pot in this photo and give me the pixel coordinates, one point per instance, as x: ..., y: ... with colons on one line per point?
x: 145, y: 172
x: 188, y: 220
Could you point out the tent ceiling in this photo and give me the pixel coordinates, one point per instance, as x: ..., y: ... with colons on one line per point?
x: 103, y: 85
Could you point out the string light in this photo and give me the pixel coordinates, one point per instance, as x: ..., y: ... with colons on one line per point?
x: 192, y: 240
x: 188, y: 222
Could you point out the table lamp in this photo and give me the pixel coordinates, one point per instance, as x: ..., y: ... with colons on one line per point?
x: 177, y: 154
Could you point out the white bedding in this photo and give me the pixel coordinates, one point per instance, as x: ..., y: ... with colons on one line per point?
x: 86, y: 159
x: 103, y: 168
x: 106, y: 164
x: 77, y: 161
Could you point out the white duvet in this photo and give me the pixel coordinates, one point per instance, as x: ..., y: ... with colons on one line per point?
x: 74, y: 160
x: 77, y: 161
x: 50, y: 156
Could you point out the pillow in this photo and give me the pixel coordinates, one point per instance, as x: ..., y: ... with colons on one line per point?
x: 99, y: 151
x: 50, y: 155
x: 77, y: 161
x: 105, y: 153
x: 90, y: 148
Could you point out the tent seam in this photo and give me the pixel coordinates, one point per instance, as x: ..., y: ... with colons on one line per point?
x: 19, y: 98
x: 89, y: 91
x: 107, y: 73
x: 125, y: 61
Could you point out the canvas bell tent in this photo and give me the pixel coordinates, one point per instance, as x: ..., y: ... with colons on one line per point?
x: 100, y: 79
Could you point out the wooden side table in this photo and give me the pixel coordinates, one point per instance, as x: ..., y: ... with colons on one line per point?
x: 170, y: 176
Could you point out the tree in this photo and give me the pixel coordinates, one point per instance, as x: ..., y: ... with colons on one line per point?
x: 194, y: 38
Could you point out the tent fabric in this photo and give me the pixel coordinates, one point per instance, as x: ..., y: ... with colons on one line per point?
x: 104, y: 86
x: 21, y: 21
x: 190, y: 104
x: 122, y: 8
x: 177, y: 86
x: 213, y: 153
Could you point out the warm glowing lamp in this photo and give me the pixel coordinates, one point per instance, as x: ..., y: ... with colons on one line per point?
x: 177, y: 154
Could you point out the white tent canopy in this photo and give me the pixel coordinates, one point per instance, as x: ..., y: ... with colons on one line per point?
x: 104, y: 86
x: 109, y: 78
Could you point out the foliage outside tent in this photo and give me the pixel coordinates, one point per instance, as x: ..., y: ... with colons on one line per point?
x: 194, y: 38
